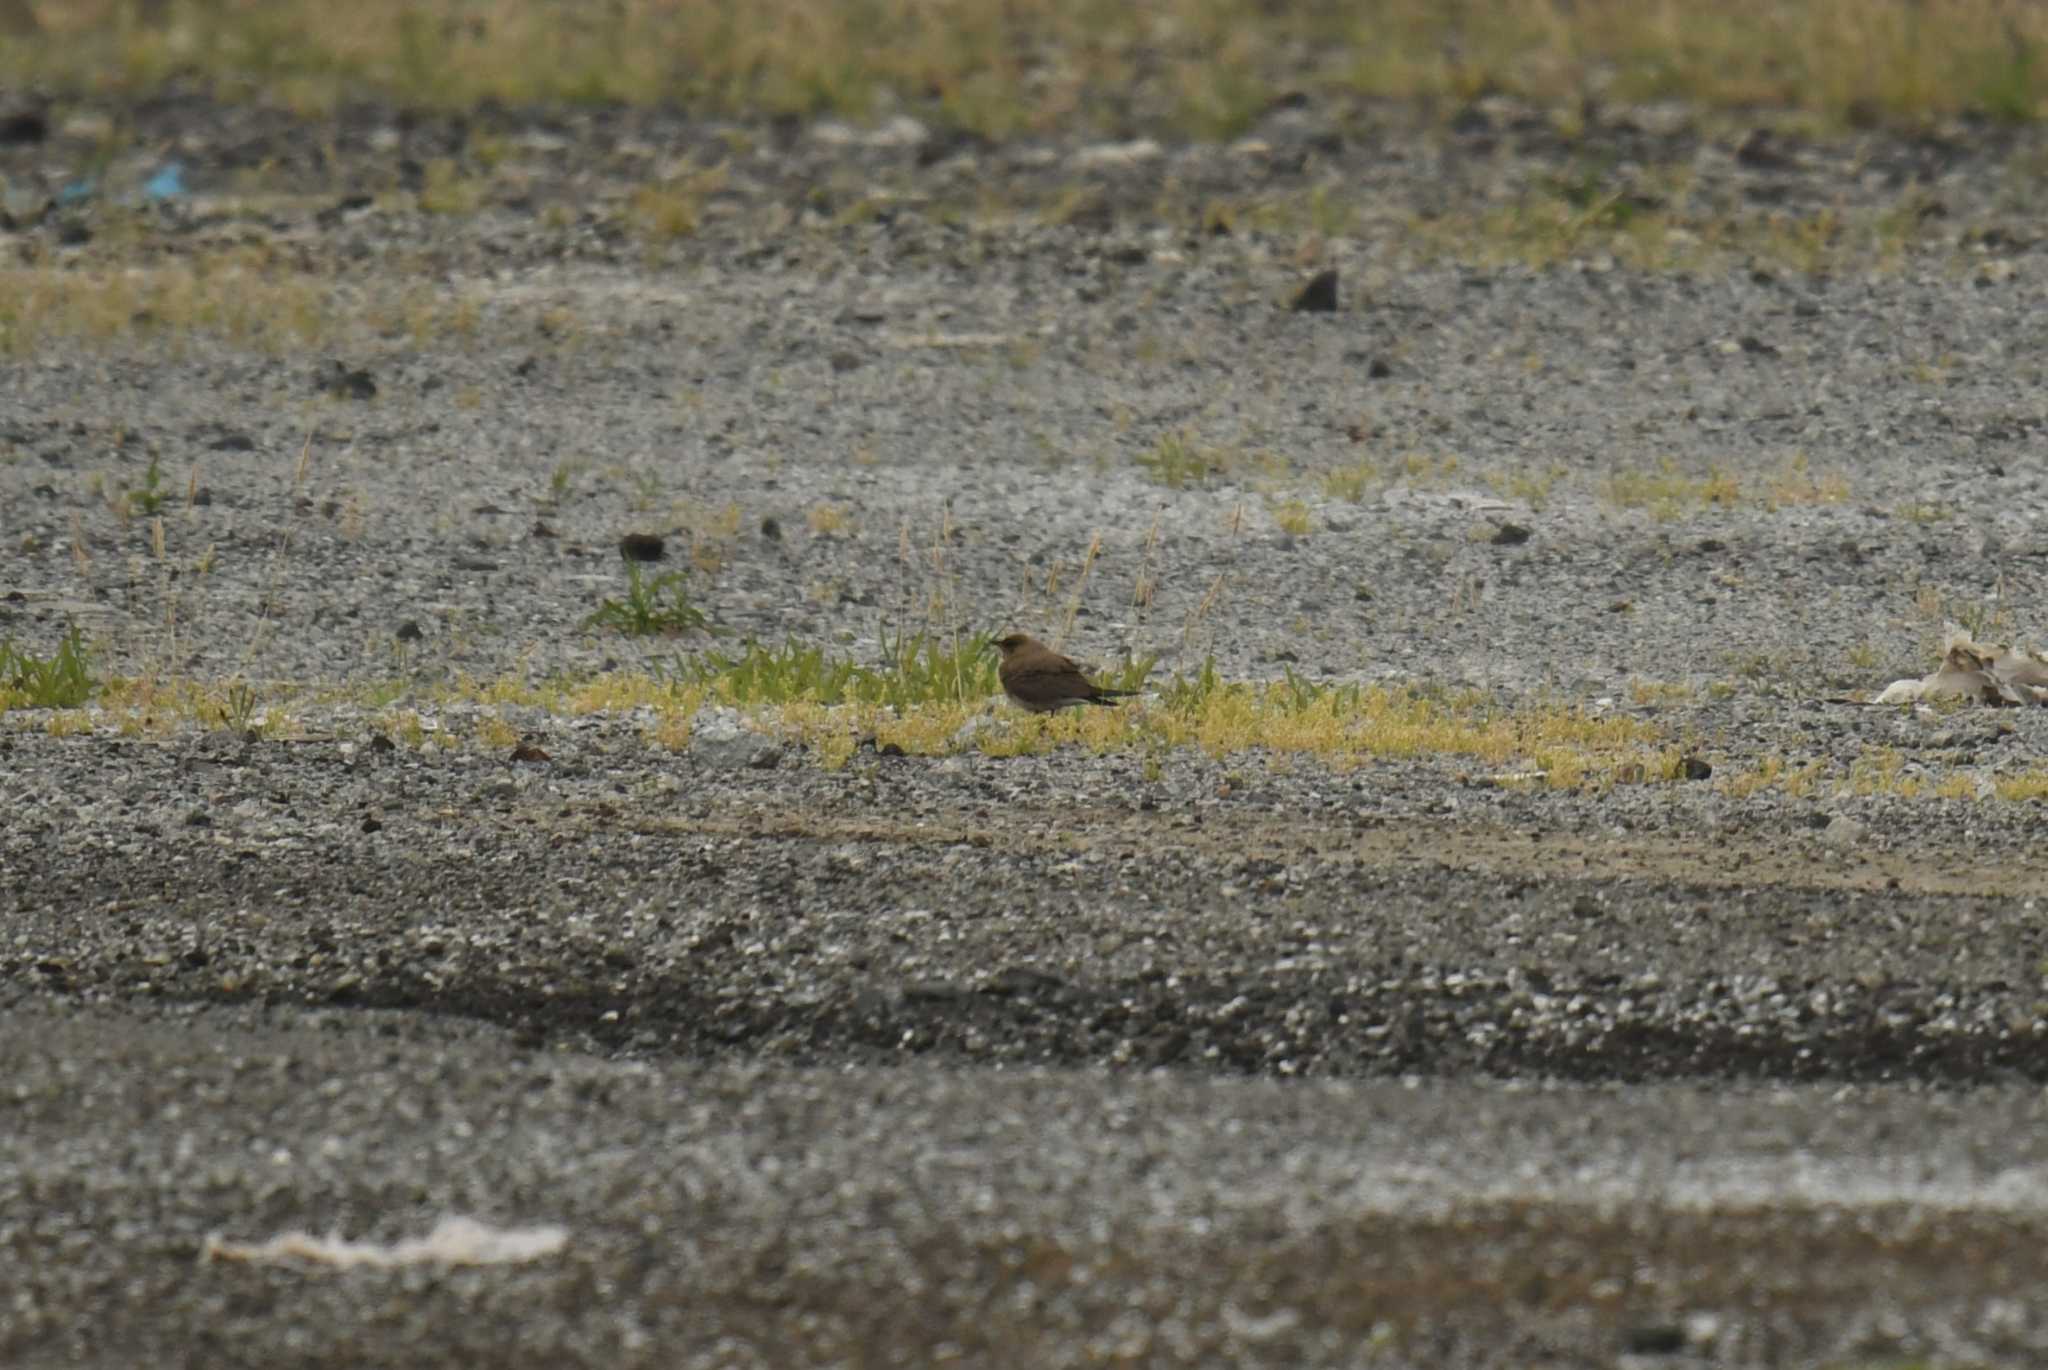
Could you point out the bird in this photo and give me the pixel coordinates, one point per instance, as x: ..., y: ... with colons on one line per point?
x: 1042, y: 680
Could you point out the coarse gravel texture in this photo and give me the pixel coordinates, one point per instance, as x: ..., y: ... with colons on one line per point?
x: 1054, y: 1059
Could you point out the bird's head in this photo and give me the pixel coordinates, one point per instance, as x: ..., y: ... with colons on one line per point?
x: 1011, y: 643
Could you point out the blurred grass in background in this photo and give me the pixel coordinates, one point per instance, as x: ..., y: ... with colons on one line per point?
x: 1190, y: 68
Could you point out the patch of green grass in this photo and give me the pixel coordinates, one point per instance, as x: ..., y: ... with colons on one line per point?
x: 563, y: 478
x: 924, y: 691
x: 1200, y: 68
x: 249, y: 296
x: 1177, y: 461
x: 62, y: 680
x: 1293, y: 517
x: 1531, y: 486
x: 239, y: 295
x: 148, y: 498
x: 1796, y: 484
x: 656, y: 605
x: 673, y: 207
x: 448, y: 190
x: 234, y: 706
x: 2024, y: 788
x: 916, y: 670
x: 156, y: 705
x: 1345, y: 723
x: 1668, y: 491
x: 1656, y: 221
x: 1925, y: 511
x: 1351, y: 482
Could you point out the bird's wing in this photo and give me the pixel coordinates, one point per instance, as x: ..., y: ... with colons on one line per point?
x: 1054, y: 678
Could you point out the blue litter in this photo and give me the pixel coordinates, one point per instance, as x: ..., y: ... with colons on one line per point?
x: 167, y: 184
x: 78, y: 191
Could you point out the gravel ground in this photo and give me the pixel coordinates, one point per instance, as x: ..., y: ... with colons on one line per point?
x: 1002, y: 1059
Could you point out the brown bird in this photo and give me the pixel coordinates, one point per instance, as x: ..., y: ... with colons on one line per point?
x: 1042, y: 680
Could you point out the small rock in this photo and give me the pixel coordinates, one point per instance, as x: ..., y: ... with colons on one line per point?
x: 968, y: 734
x: 1657, y: 1340
x: 1693, y: 768
x: 1843, y: 831
x: 1759, y: 151
x: 342, y: 208
x: 720, y: 737
x: 23, y: 126
x: 1510, y: 535
x: 642, y: 547
x: 344, y: 384
x: 1319, y: 296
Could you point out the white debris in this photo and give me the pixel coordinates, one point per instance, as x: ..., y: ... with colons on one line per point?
x: 1989, y: 673
x: 454, y: 1241
x: 1117, y: 156
x: 901, y: 131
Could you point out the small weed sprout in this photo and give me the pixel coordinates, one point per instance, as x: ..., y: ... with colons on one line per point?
x: 660, y: 605
x: 1350, y: 482
x: 62, y: 680
x: 1176, y: 461
x: 148, y: 498
x: 232, y: 707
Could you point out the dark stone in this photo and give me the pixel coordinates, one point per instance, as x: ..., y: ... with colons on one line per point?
x: 23, y: 126
x: 1659, y: 1340
x: 1319, y: 296
x: 344, y: 384
x: 642, y: 547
